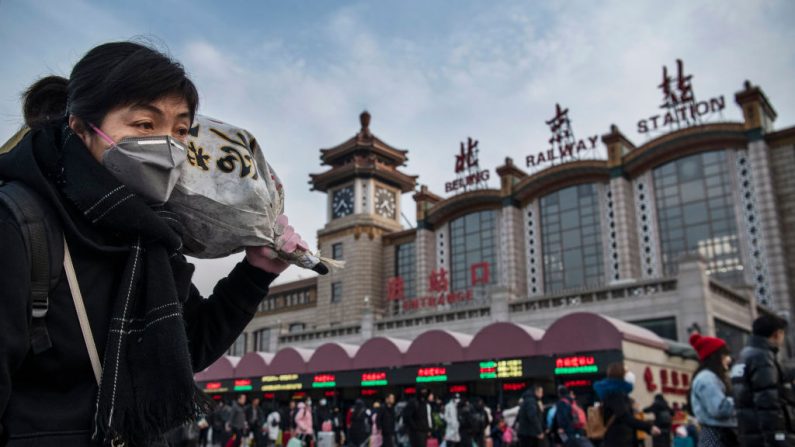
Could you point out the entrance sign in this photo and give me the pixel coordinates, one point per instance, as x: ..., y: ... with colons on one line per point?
x: 563, y: 146
x: 439, y: 286
x: 680, y: 104
x: 425, y: 375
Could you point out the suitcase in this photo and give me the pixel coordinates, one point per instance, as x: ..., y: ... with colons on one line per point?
x: 325, y: 439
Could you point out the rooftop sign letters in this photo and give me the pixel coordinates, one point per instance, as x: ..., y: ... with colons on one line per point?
x: 680, y: 104
x: 563, y: 145
x: 467, y: 168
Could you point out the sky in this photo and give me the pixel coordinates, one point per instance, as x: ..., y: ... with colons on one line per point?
x: 297, y: 74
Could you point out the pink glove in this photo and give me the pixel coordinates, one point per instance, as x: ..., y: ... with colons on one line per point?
x: 266, y: 258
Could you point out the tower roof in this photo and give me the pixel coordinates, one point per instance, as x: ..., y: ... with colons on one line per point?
x: 363, y: 155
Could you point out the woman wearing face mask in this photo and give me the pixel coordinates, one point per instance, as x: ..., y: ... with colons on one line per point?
x: 100, y: 157
x: 710, y: 393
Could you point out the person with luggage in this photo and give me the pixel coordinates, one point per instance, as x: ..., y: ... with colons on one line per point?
x: 619, y: 418
x: 102, y: 218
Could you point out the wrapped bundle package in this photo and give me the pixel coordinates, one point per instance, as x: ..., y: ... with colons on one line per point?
x: 228, y: 197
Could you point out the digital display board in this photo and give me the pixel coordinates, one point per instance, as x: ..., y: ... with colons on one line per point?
x: 514, y: 386
x: 324, y: 381
x: 215, y: 387
x: 282, y: 382
x: 582, y: 364
x: 501, y: 369
x: 432, y: 374
x: 374, y: 379
x: 243, y: 385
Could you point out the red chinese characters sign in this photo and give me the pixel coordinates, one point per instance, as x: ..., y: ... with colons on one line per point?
x: 671, y: 382
x: 439, y: 287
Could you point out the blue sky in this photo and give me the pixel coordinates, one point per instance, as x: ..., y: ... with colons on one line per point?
x: 298, y: 73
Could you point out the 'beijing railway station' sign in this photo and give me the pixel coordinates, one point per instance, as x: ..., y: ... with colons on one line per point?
x: 563, y: 145
x: 467, y: 168
x: 680, y: 104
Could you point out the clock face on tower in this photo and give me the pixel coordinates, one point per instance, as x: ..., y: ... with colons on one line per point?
x: 342, y: 202
x: 385, y: 203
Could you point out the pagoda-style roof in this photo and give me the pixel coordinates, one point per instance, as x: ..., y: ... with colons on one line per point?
x: 363, y: 167
x: 363, y: 156
x: 363, y: 142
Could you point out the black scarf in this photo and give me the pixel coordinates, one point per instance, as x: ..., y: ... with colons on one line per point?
x: 147, y: 382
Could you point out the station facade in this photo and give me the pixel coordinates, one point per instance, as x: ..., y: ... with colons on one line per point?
x: 687, y: 231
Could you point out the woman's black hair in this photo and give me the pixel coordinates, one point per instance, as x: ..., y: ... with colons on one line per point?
x: 109, y: 76
x: 713, y: 363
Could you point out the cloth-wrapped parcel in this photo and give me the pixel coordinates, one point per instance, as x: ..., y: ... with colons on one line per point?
x: 228, y: 197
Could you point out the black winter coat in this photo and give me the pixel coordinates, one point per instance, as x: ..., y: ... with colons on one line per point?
x: 48, y: 399
x: 764, y: 397
x: 530, y: 417
x: 621, y: 432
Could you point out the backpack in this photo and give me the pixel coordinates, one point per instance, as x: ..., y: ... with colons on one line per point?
x: 596, y: 428
x: 578, y: 419
x: 44, y: 243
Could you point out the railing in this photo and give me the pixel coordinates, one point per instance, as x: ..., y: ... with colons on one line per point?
x: 723, y: 291
x: 609, y: 293
x: 337, y: 331
x: 404, y: 321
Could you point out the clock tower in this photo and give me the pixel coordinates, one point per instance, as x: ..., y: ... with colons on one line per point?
x: 364, y: 185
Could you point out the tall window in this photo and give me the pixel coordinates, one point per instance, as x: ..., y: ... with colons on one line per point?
x: 262, y: 340
x: 405, y: 268
x: 336, y: 292
x: 570, y: 237
x: 336, y: 251
x: 695, y: 212
x: 238, y: 348
x: 472, y: 241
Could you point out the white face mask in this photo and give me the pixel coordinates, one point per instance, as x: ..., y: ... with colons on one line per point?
x: 629, y: 377
x: 146, y: 165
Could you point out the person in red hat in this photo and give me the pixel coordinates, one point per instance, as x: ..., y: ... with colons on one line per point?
x: 710, y: 393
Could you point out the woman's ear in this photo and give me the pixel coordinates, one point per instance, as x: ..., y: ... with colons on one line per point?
x: 79, y: 128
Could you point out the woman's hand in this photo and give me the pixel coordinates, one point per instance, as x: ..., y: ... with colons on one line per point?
x: 266, y: 258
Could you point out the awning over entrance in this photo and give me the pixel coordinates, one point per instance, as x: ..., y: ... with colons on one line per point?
x: 573, y: 333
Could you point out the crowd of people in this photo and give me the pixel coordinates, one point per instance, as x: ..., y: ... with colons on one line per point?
x: 747, y: 403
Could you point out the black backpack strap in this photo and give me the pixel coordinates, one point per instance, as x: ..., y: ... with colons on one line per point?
x: 44, y: 242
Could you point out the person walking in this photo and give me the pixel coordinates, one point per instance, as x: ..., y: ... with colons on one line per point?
x: 451, y: 436
x: 360, y: 427
x: 466, y: 425
x: 237, y: 419
x: 304, y: 428
x: 417, y: 419
x: 613, y: 392
x: 530, y: 419
x: 256, y: 419
x: 663, y: 417
x: 387, y: 421
x: 710, y: 393
x: 763, y: 389
x: 124, y: 247
x: 273, y: 424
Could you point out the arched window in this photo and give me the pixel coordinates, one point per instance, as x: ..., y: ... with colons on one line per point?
x: 695, y: 214
x: 571, y: 241
x: 472, y: 242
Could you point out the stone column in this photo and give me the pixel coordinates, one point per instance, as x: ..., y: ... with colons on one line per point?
x: 620, y: 224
